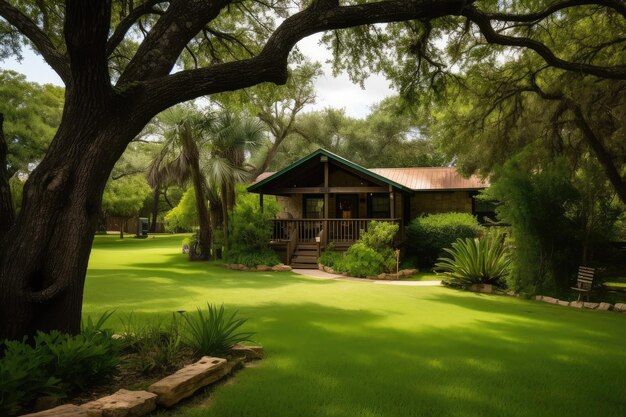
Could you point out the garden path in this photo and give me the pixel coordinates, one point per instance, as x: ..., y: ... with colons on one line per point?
x: 316, y: 273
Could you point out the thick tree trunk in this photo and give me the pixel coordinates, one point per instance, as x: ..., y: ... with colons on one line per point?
x: 6, y: 200
x: 44, y: 256
x: 224, y: 193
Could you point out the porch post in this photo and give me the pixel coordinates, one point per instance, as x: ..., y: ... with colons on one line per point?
x: 392, y: 203
x: 261, y: 202
x: 326, y: 202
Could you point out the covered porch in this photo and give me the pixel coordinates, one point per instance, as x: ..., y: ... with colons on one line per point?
x: 326, y: 199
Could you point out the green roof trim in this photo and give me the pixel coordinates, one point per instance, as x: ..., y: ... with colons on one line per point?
x: 337, y: 158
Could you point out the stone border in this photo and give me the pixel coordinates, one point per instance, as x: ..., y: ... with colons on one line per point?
x: 383, y: 276
x: 618, y: 307
x: 259, y: 268
x: 166, y: 392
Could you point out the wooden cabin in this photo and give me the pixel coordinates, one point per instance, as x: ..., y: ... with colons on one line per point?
x: 325, y: 198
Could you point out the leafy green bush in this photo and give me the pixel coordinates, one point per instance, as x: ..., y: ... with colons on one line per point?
x: 371, y: 255
x: 183, y: 217
x: 57, y: 364
x: 476, y: 261
x: 24, y: 377
x: 330, y: 256
x: 427, y: 236
x: 214, y: 333
x: 362, y: 261
x: 249, y: 231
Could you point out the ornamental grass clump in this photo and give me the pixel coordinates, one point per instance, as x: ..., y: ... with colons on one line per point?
x: 476, y: 261
x: 214, y: 332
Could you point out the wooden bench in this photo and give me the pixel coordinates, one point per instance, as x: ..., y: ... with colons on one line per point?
x: 584, y: 282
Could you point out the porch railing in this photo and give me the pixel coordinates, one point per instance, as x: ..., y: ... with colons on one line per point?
x: 322, y: 230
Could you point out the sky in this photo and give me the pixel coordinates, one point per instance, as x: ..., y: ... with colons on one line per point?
x: 336, y: 92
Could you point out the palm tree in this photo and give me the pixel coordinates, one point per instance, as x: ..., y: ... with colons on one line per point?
x: 184, y: 135
x: 233, y: 137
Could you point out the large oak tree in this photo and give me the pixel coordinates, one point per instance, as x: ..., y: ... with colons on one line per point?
x: 117, y: 58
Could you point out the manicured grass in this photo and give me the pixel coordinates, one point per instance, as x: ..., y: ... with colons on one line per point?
x: 424, y: 276
x: 337, y: 348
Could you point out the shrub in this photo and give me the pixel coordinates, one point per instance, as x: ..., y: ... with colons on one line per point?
x: 476, y: 261
x: 57, y: 364
x: 214, y: 333
x: 24, y: 377
x: 249, y: 231
x: 183, y: 217
x: 427, y: 236
x: 330, y: 256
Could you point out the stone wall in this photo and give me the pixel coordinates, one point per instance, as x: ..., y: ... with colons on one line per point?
x: 440, y: 202
x: 291, y: 205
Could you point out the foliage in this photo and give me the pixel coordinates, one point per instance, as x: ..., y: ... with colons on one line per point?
x: 427, y: 236
x: 250, y: 230
x: 24, y: 377
x: 476, y: 261
x: 330, y: 256
x: 156, y: 346
x: 125, y: 196
x: 215, y: 332
x: 56, y: 364
x: 536, y: 206
x: 32, y: 113
x: 372, y: 254
x: 184, y: 216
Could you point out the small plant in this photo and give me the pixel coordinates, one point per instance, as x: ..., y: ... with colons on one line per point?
x: 476, y: 261
x: 215, y: 332
x: 156, y: 346
x: 330, y: 256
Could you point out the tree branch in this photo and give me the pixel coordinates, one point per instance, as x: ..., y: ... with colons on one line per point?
x: 616, y: 5
x: 40, y: 40
x: 271, y: 64
x: 124, y: 26
x: 482, y: 20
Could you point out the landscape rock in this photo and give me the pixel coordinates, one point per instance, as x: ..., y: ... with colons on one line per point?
x: 123, y: 403
x: 562, y: 303
x: 281, y: 268
x: 591, y: 306
x: 538, y: 297
x: 605, y: 306
x: 248, y: 352
x: 549, y: 300
x: 619, y: 307
x: 183, y: 383
x: 67, y: 410
x: 407, y: 272
x: 382, y: 276
x: 263, y: 268
x: 185, y: 249
x: 576, y: 304
x: 483, y: 288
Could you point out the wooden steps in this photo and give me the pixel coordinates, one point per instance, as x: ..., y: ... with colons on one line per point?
x: 305, y: 256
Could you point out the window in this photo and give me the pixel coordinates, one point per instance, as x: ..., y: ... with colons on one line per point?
x: 313, y: 207
x: 379, y: 206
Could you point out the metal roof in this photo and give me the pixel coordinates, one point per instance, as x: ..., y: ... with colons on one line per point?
x: 415, y: 179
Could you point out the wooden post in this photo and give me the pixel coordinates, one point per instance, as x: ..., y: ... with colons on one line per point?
x: 261, y: 201
x: 326, y: 202
x: 392, y: 203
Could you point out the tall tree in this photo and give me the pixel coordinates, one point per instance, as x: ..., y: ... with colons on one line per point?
x: 118, y: 78
x: 123, y: 198
x: 179, y: 161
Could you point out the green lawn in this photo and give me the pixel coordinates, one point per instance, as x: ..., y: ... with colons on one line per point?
x: 337, y: 348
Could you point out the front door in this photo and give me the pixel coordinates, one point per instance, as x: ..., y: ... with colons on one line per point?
x: 347, y: 206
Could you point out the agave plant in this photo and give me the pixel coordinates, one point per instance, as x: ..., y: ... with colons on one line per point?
x: 476, y: 261
x: 214, y: 333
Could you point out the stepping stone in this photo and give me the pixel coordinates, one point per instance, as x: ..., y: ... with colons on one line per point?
x: 248, y: 352
x: 183, y: 383
x: 123, y: 403
x: 67, y: 410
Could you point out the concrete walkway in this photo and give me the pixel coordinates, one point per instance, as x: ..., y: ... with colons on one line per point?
x: 316, y: 273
